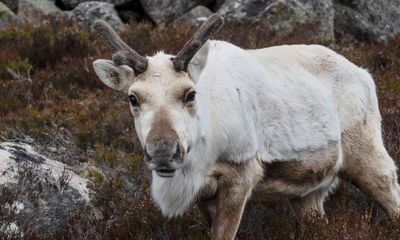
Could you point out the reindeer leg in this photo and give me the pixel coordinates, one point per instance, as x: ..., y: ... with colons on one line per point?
x: 297, y: 224
x: 230, y: 204
x: 208, y: 209
x: 234, y: 184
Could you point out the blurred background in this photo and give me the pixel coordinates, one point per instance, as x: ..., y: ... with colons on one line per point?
x: 70, y: 163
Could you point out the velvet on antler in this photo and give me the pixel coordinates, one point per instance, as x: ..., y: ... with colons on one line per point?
x: 212, y: 25
x: 122, y: 53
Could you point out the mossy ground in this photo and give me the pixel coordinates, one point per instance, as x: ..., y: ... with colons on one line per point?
x: 49, y: 91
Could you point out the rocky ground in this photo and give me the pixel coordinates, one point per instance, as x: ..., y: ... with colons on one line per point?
x: 70, y: 164
x: 366, y: 19
x: 46, y: 191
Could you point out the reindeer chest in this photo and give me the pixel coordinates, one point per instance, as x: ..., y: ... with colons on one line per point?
x: 227, y: 174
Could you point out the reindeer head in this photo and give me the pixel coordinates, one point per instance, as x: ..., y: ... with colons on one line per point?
x: 162, y: 93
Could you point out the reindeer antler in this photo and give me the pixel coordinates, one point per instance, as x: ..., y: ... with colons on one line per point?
x: 122, y: 53
x: 181, y: 61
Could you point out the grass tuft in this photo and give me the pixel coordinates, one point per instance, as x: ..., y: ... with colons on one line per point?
x: 49, y: 91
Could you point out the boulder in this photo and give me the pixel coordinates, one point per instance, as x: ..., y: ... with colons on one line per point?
x: 282, y: 15
x: 6, y: 16
x: 128, y: 15
x: 38, y: 191
x: 131, y: 12
x: 167, y: 10
x: 217, y: 4
x: 197, y: 14
x: 32, y: 10
x: 322, y: 13
x: 70, y: 4
x: 88, y: 12
x: 11, y: 4
x: 367, y: 20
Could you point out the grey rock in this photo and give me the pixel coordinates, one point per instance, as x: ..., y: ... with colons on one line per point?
x: 128, y: 15
x: 11, y: 4
x: 197, y: 14
x: 132, y: 11
x: 32, y: 10
x: 168, y: 10
x: 322, y: 13
x: 6, y: 16
x: 88, y: 12
x: 217, y: 4
x: 282, y: 15
x: 367, y: 20
x: 73, y: 3
x: 45, y: 191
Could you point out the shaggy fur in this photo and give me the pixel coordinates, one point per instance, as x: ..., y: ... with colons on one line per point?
x: 284, y: 121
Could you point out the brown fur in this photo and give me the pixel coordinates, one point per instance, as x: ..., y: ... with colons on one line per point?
x: 122, y: 53
x: 180, y: 93
x: 223, y: 198
x: 212, y: 25
x: 162, y: 129
x: 293, y: 178
x: 365, y: 163
x: 228, y: 188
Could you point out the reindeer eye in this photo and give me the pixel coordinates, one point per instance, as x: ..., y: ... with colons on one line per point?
x: 190, y: 97
x: 134, y: 101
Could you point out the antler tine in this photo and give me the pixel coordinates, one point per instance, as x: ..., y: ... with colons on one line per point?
x: 122, y: 53
x: 114, y: 42
x: 212, y: 25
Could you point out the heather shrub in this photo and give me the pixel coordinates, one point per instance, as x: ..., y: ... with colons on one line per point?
x: 50, y: 92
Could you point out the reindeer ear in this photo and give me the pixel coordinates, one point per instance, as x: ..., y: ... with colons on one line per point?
x: 198, y: 62
x: 117, y: 77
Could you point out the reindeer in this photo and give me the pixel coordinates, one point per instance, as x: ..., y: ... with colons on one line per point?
x: 218, y: 123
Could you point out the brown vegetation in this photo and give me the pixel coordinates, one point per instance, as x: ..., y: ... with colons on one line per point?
x: 49, y: 91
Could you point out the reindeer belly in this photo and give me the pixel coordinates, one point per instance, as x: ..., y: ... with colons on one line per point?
x: 296, y: 178
x: 315, y: 170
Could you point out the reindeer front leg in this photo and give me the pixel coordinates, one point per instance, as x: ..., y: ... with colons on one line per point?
x: 207, y: 209
x: 229, y: 209
x: 225, y: 195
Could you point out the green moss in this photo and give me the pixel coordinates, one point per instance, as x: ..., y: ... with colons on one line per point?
x: 66, y: 97
x: 83, y: 39
x: 21, y: 34
x: 105, y: 155
x: 392, y: 86
x: 5, y: 105
x: 95, y: 176
x: 134, y: 164
x: 36, y: 119
x: 22, y: 66
x: 117, y: 181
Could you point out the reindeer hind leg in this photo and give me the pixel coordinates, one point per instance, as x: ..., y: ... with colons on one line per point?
x: 369, y: 167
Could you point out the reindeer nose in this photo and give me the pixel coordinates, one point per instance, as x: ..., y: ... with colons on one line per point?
x: 162, y: 153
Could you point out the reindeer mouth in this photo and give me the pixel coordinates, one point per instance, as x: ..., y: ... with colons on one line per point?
x: 165, y: 172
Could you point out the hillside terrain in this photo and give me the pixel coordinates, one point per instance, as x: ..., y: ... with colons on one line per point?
x: 55, y: 112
